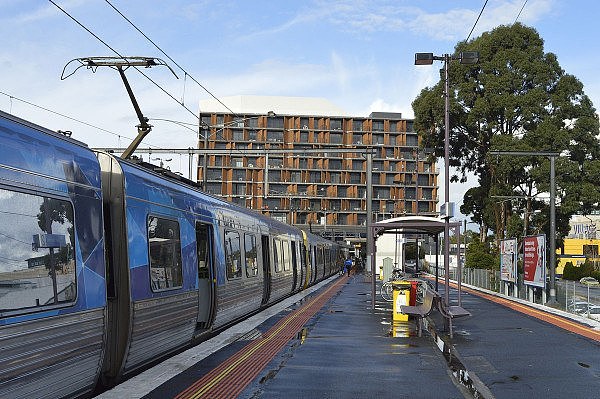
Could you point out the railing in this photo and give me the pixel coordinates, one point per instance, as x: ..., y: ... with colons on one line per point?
x: 571, y: 296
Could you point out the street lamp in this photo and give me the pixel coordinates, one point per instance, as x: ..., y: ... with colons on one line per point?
x: 468, y: 58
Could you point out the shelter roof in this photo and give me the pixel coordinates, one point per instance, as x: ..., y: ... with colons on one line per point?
x: 411, y: 225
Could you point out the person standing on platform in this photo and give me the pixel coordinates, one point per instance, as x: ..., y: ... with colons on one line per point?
x: 348, y: 265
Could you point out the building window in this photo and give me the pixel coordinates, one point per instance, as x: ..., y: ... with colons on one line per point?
x: 165, y: 253
x: 378, y: 139
x: 412, y: 140
x: 206, y: 120
x: 275, y: 136
x: 238, y: 135
x: 335, y: 138
x: 276, y: 123
x: 335, y: 124
x: 335, y: 176
x: 590, y: 251
x: 423, y: 180
x: 357, y: 126
x: 378, y: 126
x: 335, y: 164
x: 233, y: 256
x: 40, y: 271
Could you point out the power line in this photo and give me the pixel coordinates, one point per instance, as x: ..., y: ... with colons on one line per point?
x: 479, y: 16
x: 520, y: 11
x: 171, y: 59
x: 64, y: 116
x: 121, y: 56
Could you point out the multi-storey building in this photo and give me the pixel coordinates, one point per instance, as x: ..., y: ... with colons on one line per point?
x: 310, y: 170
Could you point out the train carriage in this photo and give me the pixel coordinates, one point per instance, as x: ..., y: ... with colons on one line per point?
x: 52, y: 269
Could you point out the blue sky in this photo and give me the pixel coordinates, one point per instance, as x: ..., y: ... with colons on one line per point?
x: 357, y: 54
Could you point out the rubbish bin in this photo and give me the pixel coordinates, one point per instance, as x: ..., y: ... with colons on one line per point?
x: 414, y: 285
x: 401, y: 297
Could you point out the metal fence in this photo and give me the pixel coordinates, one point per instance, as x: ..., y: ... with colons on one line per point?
x: 568, y: 293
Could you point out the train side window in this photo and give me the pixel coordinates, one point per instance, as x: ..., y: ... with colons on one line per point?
x: 37, y: 256
x: 233, y: 256
x: 164, y: 248
x: 203, y: 249
x: 250, y: 250
x: 277, y: 255
x: 287, y: 258
x: 303, y: 255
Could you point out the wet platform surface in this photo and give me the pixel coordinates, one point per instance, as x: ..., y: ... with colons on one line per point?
x: 341, y: 348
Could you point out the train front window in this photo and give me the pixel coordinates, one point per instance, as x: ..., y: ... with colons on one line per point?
x: 37, y: 256
x: 164, y: 247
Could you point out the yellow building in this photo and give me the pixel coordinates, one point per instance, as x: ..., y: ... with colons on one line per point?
x: 576, y: 251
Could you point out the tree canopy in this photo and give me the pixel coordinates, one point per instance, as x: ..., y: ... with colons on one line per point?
x: 517, y: 98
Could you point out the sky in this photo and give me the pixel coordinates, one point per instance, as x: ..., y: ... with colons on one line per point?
x: 357, y: 54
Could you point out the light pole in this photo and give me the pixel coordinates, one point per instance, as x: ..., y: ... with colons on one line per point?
x: 465, y: 57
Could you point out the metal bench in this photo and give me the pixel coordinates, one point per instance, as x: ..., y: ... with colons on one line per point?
x: 451, y: 312
x: 419, y: 312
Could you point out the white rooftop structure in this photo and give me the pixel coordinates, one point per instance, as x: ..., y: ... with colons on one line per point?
x: 277, y: 104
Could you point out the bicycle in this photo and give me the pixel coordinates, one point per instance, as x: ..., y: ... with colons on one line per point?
x: 387, y: 291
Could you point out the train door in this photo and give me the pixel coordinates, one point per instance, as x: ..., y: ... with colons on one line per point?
x: 294, y: 266
x: 303, y: 269
x: 206, y: 275
x: 313, y: 263
x: 266, y: 263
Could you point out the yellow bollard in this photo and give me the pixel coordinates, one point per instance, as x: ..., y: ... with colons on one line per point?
x: 381, y: 272
x: 401, y: 297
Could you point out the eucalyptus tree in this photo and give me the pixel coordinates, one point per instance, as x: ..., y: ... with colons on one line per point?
x: 518, y: 98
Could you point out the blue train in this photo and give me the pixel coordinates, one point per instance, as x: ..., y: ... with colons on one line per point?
x: 107, y: 266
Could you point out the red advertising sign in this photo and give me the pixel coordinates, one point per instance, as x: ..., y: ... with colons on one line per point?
x: 534, y: 260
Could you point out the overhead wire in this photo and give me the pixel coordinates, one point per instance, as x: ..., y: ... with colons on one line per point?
x: 520, y: 11
x: 169, y: 57
x: 65, y: 116
x: 121, y: 56
x: 147, y: 77
x: 475, y: 24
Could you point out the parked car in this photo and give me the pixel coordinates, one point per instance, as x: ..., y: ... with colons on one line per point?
x: 578, y: 306
x: 592, y: 282
x: 594, y: 312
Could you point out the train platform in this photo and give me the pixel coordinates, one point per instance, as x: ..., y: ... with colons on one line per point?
x: 328, y: 342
